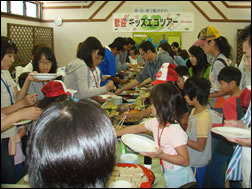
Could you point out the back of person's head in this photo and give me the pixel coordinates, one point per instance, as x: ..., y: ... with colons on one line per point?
x: 88, y: 47
x: 48, y: 53
x: 121, y: 41
x: 147, y: 45
x: 7, y: 46
x: 175, y: 44
x: 224, y: 47
x: 182, y: 71
x: 167, y: 47
x: 246, y: 34
x: 79, y: 46
x: 69, y: 150
x: 116, y: 44
x: 198, y: 87
x: 229, y: 74
x: 183, y: 53
x: 131, y: 41
x: 55, y: 91
x: 22, y: 78
x: 167, y: 100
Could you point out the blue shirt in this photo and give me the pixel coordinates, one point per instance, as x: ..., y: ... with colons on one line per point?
x: 108, y: 65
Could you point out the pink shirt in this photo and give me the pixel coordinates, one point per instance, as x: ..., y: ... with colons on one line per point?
x: 173, y: 136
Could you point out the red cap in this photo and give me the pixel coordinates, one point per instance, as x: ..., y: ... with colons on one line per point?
x: 165, y: 74
x: 54, y: 88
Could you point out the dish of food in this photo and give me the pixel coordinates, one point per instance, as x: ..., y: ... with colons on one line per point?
x: 133, y: 173
x: 22, y: 122
x: 139, y: 143
x: 44, y: 76
x: 232, y: 132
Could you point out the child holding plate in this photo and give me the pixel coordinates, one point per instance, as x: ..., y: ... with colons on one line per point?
x: 44, y: 62
x: 166, y: 102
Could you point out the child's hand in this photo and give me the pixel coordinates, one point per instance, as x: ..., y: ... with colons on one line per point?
x: 156, y: 154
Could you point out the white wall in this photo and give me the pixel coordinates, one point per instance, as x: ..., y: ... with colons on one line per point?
x: 69, y: 34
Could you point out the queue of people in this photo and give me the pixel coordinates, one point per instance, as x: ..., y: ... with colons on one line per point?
x: 186, y: 102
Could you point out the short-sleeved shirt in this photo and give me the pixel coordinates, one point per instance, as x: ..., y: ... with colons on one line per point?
x: 108, y: 65
x: 199, y: 126
x: 150, y: 68
x: 5, y: 98
x: 229, y: 108
x: 173, y: 136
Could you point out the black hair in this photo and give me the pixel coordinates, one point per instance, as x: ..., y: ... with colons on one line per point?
x: 48, y: 101
x: 198, y: 87
x: 7, y: 46
x: 246, y: 34
x: 116, y: 44
x: 88, y: 46
x: 229, y: 74
x: 22, y: 78
x: 121, y: 41
x: 167, y: 47
x: 72, y: 145
x: 175, y: 44
x: 183, y: 53
x: 129, y: 40
x: 136, y: 51
x: 223, y: 46
x: 202, y: 63
x: 182, y: 71
x: 47, y: 51
x: 167, y: 100
x: 147, y: 45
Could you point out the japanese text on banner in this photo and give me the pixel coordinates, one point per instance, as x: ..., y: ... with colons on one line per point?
x: 133, y: 22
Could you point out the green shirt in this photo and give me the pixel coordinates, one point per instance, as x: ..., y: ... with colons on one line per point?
x: 204, y: 75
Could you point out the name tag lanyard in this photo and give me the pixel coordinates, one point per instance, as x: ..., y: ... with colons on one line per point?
x: 8, y: 90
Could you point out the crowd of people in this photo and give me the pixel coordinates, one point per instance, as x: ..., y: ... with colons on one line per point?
x: 72, y: 142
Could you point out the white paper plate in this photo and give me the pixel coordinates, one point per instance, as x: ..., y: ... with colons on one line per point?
x: 107, y: 75
x: 72, y: 91
x: 120, y: 184
x: 131, y: 101
x: 22, y: 122
x: 44, y: 76
x: 139, y: 143
x: 108, y: 96
x: 232, y: 132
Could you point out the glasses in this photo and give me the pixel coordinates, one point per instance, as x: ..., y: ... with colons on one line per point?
x: 45, y: 63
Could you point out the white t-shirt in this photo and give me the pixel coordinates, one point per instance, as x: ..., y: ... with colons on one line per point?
x: 5, y: 98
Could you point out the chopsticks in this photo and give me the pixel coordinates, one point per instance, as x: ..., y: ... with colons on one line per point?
x: 142, y: 97
x: 120, y: 124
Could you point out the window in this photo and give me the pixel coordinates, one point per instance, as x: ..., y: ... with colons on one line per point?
x: 3, y: 6
x: 17, y: 7
x: 31, y: 9
x: 21, y: 8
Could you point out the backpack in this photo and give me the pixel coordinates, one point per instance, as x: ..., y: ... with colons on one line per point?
x: 216, y: 118
x: 223, y: 61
